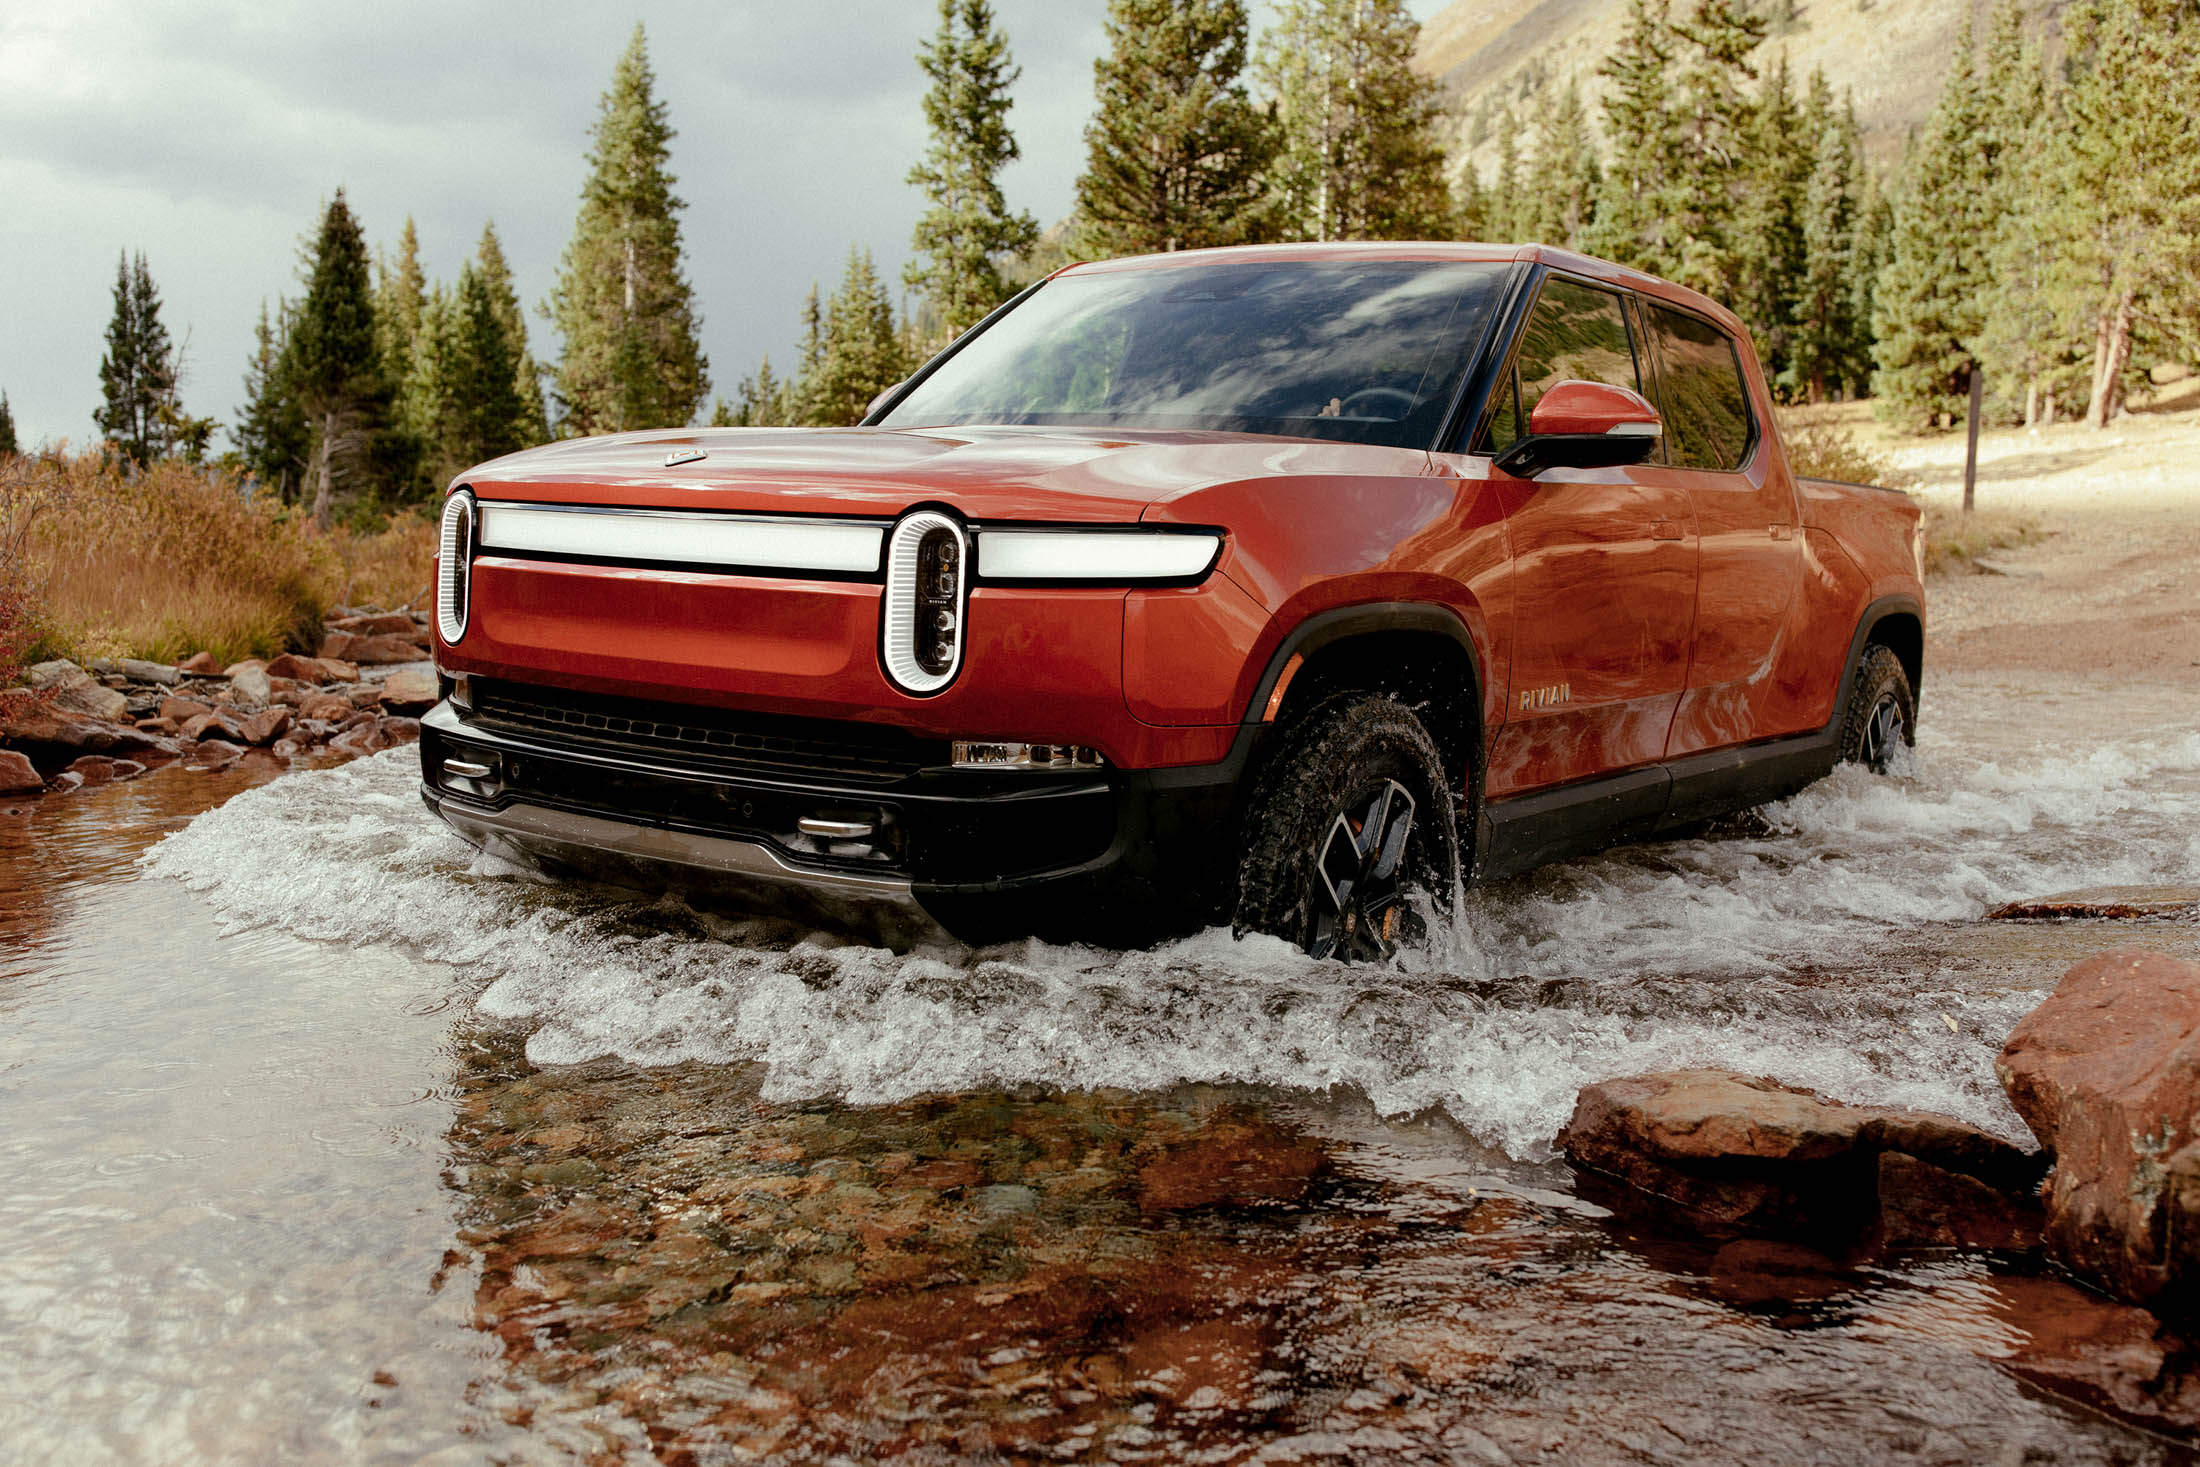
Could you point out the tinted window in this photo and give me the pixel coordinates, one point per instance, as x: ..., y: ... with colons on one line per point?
x: 1575, y: 333
x: 1370, y: 351
x: 1701, y: 397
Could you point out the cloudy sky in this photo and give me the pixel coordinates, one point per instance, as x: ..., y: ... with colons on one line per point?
x: 209, y: 133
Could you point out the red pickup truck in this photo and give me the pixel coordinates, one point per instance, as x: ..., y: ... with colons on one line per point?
x: 1285, y: 586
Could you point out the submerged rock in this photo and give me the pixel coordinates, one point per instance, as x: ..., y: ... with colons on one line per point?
x: 2105, y: 901
x: 18, y: 775
x: 1750, y: 1153
x: 2106, y: 1072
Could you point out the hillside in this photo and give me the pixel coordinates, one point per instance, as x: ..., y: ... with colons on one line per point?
x: 1891, y: 55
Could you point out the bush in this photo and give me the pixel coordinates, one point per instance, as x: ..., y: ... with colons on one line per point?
x: 1825, y: 450
x: 1954, y: 541
x: 161, y: 563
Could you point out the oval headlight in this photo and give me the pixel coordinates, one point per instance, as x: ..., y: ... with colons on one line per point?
x: 455, y: 570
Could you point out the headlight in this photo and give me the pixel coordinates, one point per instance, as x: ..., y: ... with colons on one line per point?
x: 1096, y: 557
x: 455, y: 570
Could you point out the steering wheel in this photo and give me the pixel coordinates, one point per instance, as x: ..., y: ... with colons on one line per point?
x: 1404, y: 400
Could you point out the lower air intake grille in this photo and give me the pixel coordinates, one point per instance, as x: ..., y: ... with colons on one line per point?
x: 867, y: 752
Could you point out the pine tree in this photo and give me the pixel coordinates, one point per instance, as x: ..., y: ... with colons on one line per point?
x: 2126, y: 182
x: 622, y: 300
x: 1718, y: 123
x: 271, y: 433
x: 1768, y: 222
x: 1927, y: 312
x: 8, y: 443
x: 1564, y: 179
x: 1868, y: 261
x: 1825, y: 319
x: 485, y: 416
x: 763, y: 401
x: 137, y: 377
x: 966, y: 227
x: 859, y: 353
x: 1634, y: 214
x: 496, y: 280
x: 2021, y: 342
x: 1361, y: 154
x: 400, y: 294
x: 1507, y: 216
x: 1176, y: 152
x: 335, y: 364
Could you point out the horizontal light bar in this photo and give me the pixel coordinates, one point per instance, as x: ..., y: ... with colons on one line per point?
x: 988, y: 755
x: 691, y: 539
x: 1094, y: 555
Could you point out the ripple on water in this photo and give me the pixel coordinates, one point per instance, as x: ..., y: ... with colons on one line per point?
x: 1778, y: 950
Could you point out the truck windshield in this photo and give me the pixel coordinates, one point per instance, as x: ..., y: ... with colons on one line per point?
x: 1366, y: 351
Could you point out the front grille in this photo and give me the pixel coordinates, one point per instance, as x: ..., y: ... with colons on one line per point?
x: 871, y: 753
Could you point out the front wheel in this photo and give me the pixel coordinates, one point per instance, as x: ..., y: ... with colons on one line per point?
x: 1882, y: 714
x: 1351, y: 819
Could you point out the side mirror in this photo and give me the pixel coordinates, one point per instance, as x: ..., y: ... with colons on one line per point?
x: 880, y: 400
x: 1584, y: 425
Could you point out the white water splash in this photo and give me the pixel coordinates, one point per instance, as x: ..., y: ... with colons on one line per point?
x: 1778, y: 952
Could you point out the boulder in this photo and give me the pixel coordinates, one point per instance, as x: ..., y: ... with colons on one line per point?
x: 366, y: 695
x: 315, y: 670
x: 327, y: 707
x: 1750, y: 1153
x: 410, y: 689
x: 18, y: 775
x: 266, y: 727
x: 49, y: 674
x: 98, y: 769
x: 182, y: 710
x: 401, y: 730
x: 159, y: 727
x: 2104, y: 902
x: 35, y: 726
x: 249, y: 683
x: 199, y: 664
x: 2106, y: 1072
x: 377, y: 624
x: 345, y: 647
x: 71, y: 689
x: 213, y: 754
x: 157, y: 673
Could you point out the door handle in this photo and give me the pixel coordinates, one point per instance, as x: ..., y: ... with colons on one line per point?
x: 1782, y: 532
x: 1666, y: 530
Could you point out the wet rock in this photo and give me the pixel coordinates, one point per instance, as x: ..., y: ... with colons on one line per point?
x: 374, y: 650
x: 2106, y: 1072
x: 249, y: 683
x: 410, y: 689
x: 328, y: 707
x: 157, y: 673
x: 99, y: 769
x: 2112, y: 1357
x: 66, y: 782
x: 181, y: 711
x: 212, y: 754
x: 315, y: 670
x: 1231, y: 1165
x: 1926, y: 1206
x: 2105, y: 901
x: 266, y: 727
x: 1752, y: 1154
x: 37, y: 727
x: 366, y: 695
x: 17, y: 774
x: 160, y: 727
x: 199, y: 664
x: 401, y: 730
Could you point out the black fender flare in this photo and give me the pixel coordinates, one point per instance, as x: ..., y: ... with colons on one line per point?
x: 1899, y: 604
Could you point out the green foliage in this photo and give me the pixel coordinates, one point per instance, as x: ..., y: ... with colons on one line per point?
x: 1718, y: 126
x: 1360, y: 156
x: 533, y: 425
x: 1769, y: 264
x: 1830, y: 346
x: 334, y: 367
x: 966, y: 227
x: 1559, y: 205
x: 1634, y: 220
x: 1176, y: 152
x: 271, y: 434
x: 137, y: 376
x: 622, y: 301
x: 8, y: 443
x: 858, y: 354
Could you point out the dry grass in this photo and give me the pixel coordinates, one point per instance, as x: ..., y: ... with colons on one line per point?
x: 1955, y: 541
x: 177, y: 559
x: 1822, y: 445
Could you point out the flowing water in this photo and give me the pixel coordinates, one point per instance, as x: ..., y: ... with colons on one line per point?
x: 327, y: 1138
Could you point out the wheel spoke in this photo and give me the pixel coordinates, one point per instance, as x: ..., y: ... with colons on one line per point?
x: 1359, y: 901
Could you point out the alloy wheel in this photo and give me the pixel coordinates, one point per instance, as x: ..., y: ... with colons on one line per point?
x: 1359, y: 898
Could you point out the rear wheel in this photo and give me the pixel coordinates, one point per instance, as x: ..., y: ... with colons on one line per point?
x: 1882, y: 714
x: 1352, y: 818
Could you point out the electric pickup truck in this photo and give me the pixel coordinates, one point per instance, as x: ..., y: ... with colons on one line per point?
x: 1284, y: 586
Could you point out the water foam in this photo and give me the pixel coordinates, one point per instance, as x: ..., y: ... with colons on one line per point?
x: 1776, y: 951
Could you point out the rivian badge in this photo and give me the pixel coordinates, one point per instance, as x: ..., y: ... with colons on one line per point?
x: 680, y: 456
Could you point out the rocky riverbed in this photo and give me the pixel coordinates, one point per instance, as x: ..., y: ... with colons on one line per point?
x: 331, y: 1140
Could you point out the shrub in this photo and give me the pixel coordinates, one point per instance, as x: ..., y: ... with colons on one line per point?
x: 1826, y: 450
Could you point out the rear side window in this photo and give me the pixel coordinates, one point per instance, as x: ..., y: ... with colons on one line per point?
x: 1575, y: 333
x: 1701, y: 396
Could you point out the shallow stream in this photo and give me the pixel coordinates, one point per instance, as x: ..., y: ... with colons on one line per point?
x: 328, y: 1139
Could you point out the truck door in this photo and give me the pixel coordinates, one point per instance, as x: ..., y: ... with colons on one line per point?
x: 1750, y: 562
x: 1603, y: 571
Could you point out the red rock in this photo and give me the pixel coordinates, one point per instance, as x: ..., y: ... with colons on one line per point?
x: 1234, y: 1164
x: 265, y: 728
x: 181, y: 711
x: 378, y: 624
x: 1926, y: 1206
x: 249, y: 664
x: 2106, y: 1072
x: 17, y: 774
x: 66, y: 782
x: 410, y: 689
x: 199, y: 664
x: 366, y: 695
x: 315, y: 670
x: 376, y: 650
x: 328, y: 707
x: 286, y: 748
x: 94, y: 769
x: 160, y: 727
x: 213, y: 754
x: 2104, y: 902
x: 34, y: 725
x: 401, y: 730
x: 1752, y: 1153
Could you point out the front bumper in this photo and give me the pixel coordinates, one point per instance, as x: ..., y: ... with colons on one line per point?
x: 1119, y: 857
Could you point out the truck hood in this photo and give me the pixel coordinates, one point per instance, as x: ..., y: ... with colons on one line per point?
x: 985, y: 473
x: 1068, y: 476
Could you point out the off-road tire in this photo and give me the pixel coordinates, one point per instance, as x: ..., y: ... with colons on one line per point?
x: 1341, y: 754
x: 1882, y: 711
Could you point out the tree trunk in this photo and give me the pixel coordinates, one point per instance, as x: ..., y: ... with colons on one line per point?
x: 2113, y: 355
x: 324, y: 447
x: 2047, y: 408
x: 2032, y: 403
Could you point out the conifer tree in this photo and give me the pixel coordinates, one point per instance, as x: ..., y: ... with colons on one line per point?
x: 485, y: 414
x: 1768, y: 223
x: 1634, y: 214
x: 496, y: 280
x: 1474, y: 206
x: 400, y: 294
x: 2126, y: 183
x: 966, y: 228
x: 137, y: 376
x: 622, y: 300
x: 1361, y: 156
x: 859, y: 353
x: 1507, y: 221
x: 2021, y: 342
x: 1718, y: 124
x: 763, y: 401
x: 1825, y: 320
x: 335, y: 363
x: 1176, y: 152
x: 271, y: 434
x: 1565, y: 176
x: 1927, y: 310
x: 8, y: 443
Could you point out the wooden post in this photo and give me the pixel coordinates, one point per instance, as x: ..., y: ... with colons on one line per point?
x: 1970, y: 455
